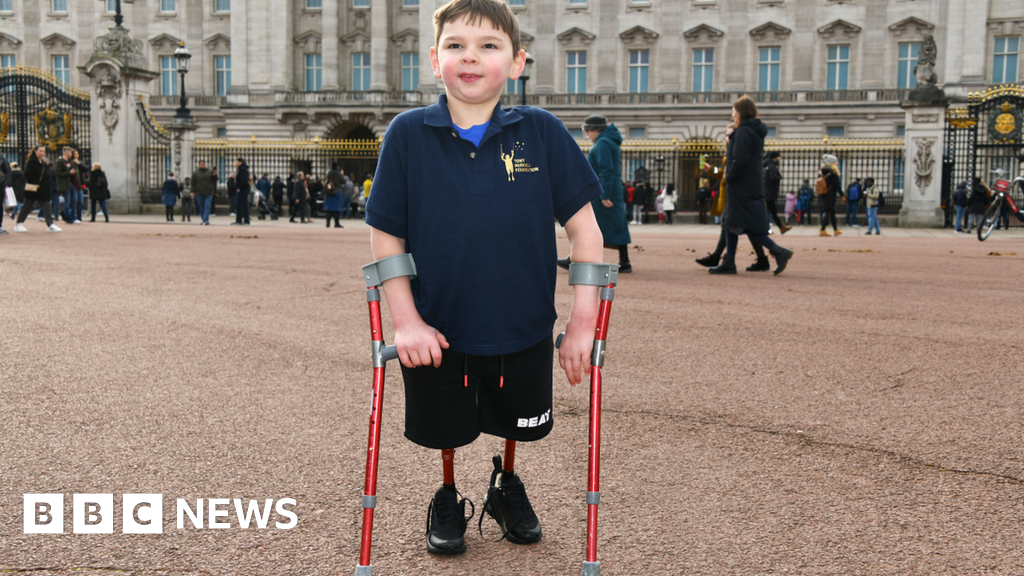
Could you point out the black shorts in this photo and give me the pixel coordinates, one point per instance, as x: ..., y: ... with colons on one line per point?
x: 449, y: 406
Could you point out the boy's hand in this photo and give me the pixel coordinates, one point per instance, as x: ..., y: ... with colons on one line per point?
x: 574, y: 353
x: 419, y: 345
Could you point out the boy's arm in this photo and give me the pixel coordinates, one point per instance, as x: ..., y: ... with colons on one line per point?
x: 585, y: 245
x: 418, y: 343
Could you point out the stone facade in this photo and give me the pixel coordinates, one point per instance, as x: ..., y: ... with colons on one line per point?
x: 267, y: 42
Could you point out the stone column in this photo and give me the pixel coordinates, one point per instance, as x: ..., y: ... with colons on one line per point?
x: 118, y: 78
x: 922, y: 169
x: 329, y: 45
x: 379, y: 45
x: 238, y: 93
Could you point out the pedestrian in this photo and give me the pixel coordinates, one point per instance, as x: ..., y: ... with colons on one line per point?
x: 171, y: 192
x: 853, y: 203
x: 334, y: 195
x: 640, y: 198
x: 367, y: 182
x: 474, y: 341
x: 64, y: 170
x: 605, y: 159
x: 791, y: 204
x: 703, y: 196
x: 316, y: 195
x: 349, y: 190
x: 300, y: 196
x: 772, y: 184
x: 290, y: 188
x: 99, y: 192
x: 871, y: 194
x: 960, y: 203
x: 627, y: 194
x: 186, y: 201
x: 37, y: 190
x: 232, y: 195
x: 278, y: 191
x: 264, y: 187
x: 668, y: 203
x: 17, y: 181
x: 243, y: 186
x: 980, y: 198
x: 803, y: 203
x: 659, y: 206
x: 828, y: 189
x: 204, y: 187
x: 77, y: 192
x: 745, y: 205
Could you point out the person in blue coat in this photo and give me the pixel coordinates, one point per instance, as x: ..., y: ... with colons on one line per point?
x: 610, y: 208
x: 171, y: 193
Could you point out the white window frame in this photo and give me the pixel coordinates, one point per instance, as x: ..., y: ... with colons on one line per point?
x: 221, y: 75
x: 765, y: 68
x: 59, y: 6
x: 313, y: 71
x: 62, y: 74
x: 700, y: 69
x: 165, y: 10
x: 837, y: 67
x: 642, y: 69
x: 410, y: 71
x: 168, y: 76
x: 361, y: 72
x: 574, y: 70
x: 905, y: 65
x: 221, y: 6
x: 7, y: 6
x: 1010, y: 60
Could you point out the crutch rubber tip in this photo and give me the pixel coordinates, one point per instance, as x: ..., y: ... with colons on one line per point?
x: 589, y: 569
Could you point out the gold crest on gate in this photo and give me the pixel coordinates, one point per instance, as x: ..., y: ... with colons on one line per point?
x: 53, y: 129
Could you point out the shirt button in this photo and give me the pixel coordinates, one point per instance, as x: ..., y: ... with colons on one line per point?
x: 472, y: 154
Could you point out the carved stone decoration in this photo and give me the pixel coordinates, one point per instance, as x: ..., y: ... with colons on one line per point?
x: 118, y: 46
x: 177, y: 152
x: 109, y: 93
x: 924, y: 163
x: 924, y: 70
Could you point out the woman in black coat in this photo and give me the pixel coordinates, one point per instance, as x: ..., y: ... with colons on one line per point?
x: 36, y: 175
x: 745, y: 211
x: 99, y: 191
x: 830, y: 172
x: 978, y: 203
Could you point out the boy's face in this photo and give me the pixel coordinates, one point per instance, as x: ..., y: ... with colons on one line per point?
x: 475, y: 61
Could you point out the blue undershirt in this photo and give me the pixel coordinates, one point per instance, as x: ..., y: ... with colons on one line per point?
x: 474, y: 133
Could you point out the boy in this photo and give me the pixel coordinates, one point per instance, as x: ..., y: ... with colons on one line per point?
x: 473, y: 329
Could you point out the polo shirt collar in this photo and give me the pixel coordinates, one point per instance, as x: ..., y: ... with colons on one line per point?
x: 438, y: 115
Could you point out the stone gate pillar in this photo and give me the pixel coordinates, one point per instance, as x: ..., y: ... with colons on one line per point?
x: 925, y: 108
x: 119, y: 77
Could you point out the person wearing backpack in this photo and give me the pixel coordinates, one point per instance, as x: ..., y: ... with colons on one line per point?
x: 803, y: 203
x: 960, y: 203
x: 871, y: 195
x: 853, y: 203
x: 829, y: 189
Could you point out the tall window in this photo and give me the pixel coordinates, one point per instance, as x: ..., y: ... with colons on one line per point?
x: 835, y: 131
x: 361, y: 3
x: 639, y: 67
x: 6, y: 5
x: 512, y: 86
x: 576, y: 72
x: 112, y: 6
x: 7, y: 61
x: 222, y: 71
x: 222, y: 5
x: 768, y: 61
x: 168, y: 76
x: 61, y: 69
x: 314, y: 4
x: 59, y: 5
x: 703, y: 70
x: 361, y: 71
x: 838, y: 67
x: 638, y: 133
x: 907, y: 58
x: 315, y: 73
x: 1004, y: 60
x: 167, y: 6
x: 410, y: 71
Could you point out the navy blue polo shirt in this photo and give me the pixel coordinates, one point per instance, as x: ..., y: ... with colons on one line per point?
x: 478, y: 220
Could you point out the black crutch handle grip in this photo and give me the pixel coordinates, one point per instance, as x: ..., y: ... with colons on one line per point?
x: 558, y: 341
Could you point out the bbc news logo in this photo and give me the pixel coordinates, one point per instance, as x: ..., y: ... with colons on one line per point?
x: 144, y: 513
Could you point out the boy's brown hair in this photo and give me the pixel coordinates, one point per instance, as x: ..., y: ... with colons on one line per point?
x: 495, y: 11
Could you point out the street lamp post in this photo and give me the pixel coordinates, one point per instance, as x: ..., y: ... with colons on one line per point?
x: 182, y: 56
x: 526, y: 76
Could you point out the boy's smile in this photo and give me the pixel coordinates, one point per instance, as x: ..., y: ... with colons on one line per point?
x: 474, y: 60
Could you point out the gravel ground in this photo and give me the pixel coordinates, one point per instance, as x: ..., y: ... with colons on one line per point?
x: 860, y: 414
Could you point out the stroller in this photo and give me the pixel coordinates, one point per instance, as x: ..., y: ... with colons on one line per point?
x: 264, y: 208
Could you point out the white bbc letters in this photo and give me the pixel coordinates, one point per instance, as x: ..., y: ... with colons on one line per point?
x: 43, y: 513
x: 142, y: 513
x: 92, y: 513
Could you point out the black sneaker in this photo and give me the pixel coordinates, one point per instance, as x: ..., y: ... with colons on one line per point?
x: 508, y: 505
x: 446, y: 522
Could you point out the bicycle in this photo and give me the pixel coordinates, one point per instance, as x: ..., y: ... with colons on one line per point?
x: 991, y: 218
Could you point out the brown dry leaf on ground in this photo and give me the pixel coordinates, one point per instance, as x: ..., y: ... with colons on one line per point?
x: 1002, y: 254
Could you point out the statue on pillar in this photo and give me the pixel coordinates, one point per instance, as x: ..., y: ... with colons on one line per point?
x: 927, y: 90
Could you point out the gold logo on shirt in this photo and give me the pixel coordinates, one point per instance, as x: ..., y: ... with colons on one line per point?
x: 513, y: 164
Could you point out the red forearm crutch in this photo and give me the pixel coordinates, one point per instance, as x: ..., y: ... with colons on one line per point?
x: 375, y: 274
x: 605, y: 276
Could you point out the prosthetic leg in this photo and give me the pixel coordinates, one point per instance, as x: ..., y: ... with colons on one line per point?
x: 606, y: 276
x: 376, y: 274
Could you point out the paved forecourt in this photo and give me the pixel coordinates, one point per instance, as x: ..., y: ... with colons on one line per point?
x: 859, y: 414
